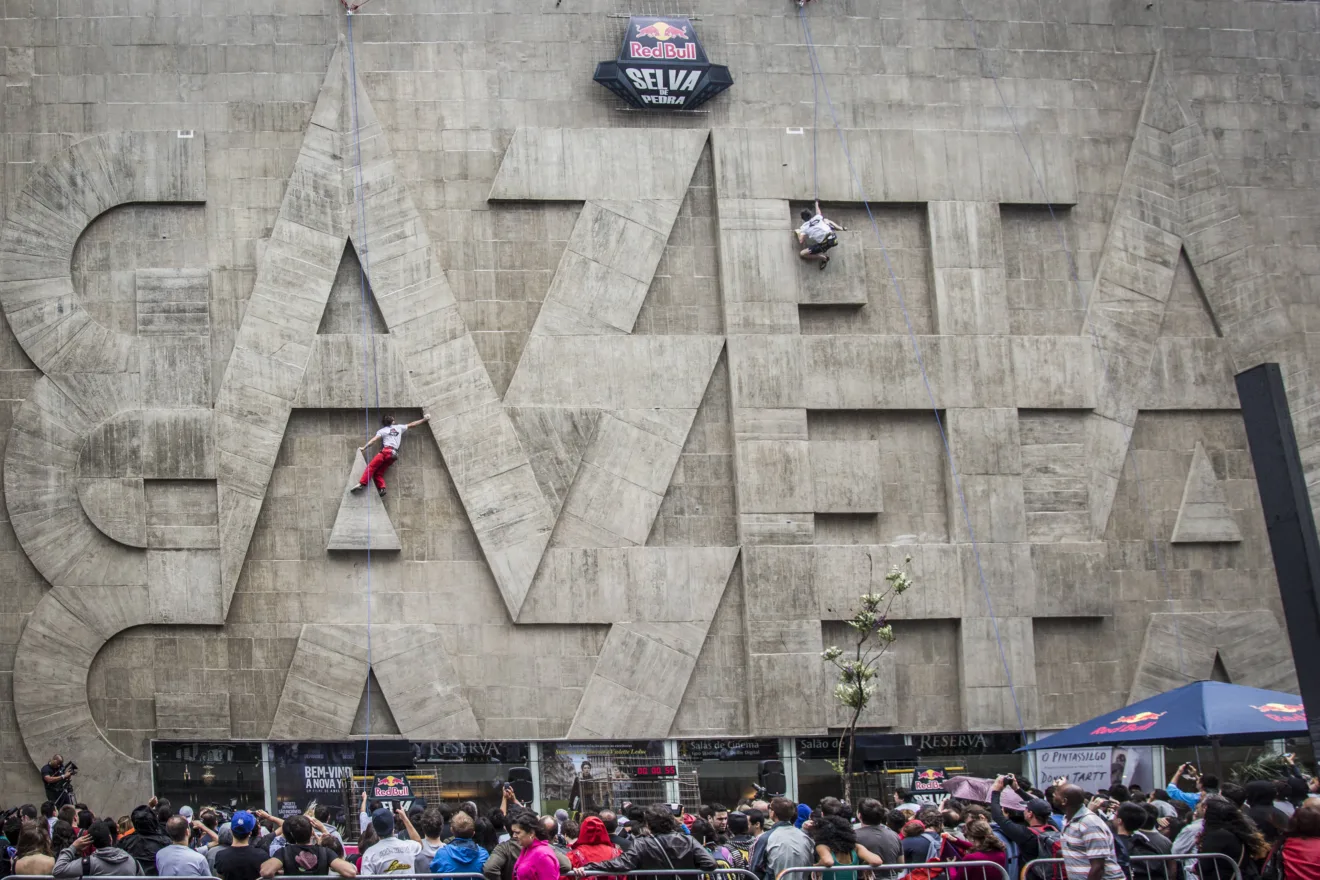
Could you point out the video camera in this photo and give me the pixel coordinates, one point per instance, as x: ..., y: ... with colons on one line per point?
x: 71, y: 768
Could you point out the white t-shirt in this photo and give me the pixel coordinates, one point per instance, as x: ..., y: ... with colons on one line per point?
x: 815, y: 230
x: 392, y: 436
x: 390, y: 856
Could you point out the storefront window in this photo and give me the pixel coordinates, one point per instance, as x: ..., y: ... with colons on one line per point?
x: 199, y: 775
x: 470, y: 770
x: 885, y: 763
x: 727, y: 771
x: 332, y: 774
x: 589, y: 776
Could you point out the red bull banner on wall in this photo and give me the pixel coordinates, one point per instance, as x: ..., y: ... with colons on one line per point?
x: 662, y: 66
x: 928, y: 785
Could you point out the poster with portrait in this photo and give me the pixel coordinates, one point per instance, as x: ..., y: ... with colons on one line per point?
x: 1133, y: 765
x: 589, y: 776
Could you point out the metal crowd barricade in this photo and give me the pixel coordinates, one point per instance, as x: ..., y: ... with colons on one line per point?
x: 723, y: 873
x: 456, y: 876
x: 896, y: 870
x: 730, y: 873
x: 1209, y: 866
x: 1171, y: 867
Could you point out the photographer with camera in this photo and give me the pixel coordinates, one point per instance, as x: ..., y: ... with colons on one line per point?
x: 1036, y: 836
x: 56, y: 776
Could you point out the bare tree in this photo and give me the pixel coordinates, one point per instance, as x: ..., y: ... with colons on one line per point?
x: 858, y: 662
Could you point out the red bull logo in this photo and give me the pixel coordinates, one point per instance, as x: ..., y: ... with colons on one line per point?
x: 1283, y: 711
x: 1129, y: 723
x: 663, y: 32
x: 391, y: 787
x: 663, y: 50
x: 927, y: 779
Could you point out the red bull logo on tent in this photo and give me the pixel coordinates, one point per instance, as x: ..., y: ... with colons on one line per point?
x: 1129, y: 723
x: 1286, y: 712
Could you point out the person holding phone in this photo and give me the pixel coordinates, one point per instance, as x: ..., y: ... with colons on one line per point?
x: 1205, y: 785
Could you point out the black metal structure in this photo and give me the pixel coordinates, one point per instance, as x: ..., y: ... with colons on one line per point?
x: 1289, y: 522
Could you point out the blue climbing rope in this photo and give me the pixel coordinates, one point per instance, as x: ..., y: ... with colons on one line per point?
x: 1083, y: 304
x: 368, y: 371
x: 817, y: 73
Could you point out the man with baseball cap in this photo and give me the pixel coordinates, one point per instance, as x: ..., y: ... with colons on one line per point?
x: 390, y: 855
x: 1036, y: 837
x: 241, y: 860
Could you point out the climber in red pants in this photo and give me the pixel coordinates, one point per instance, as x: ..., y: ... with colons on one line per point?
x: 390, y: 436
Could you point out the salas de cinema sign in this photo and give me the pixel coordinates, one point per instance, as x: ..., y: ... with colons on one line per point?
x: 662, y: 66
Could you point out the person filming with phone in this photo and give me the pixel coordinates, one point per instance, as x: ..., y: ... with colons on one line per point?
x: 1036, y: 836
x: 1205, y: 785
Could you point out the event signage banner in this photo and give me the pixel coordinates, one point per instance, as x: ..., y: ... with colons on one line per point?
x: 469, y: 752
x: 1091, y: 768
x: 312, y: 773
x: 662, y: 66
x: 728, y: 749
x: 928, y: 785
x: 391, y: 787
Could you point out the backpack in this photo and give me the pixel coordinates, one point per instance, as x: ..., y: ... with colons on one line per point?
x: 735, y: 850
x: 1273, y: 868
x: 1012, y: 852
x: 1049, y: 844
x: 723, y: 858
x: 1139, y: 845
x: 936, y: 854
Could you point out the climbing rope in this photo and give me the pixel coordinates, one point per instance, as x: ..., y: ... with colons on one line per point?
x: 1083, y: 305
x: 815, y: 103
x: 818, y: 74
x: 369, y: 371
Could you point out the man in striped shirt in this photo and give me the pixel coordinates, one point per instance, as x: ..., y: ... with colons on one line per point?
x: 1088, y: 844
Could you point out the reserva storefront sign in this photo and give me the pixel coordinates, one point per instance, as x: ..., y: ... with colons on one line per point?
x: 662, y: 66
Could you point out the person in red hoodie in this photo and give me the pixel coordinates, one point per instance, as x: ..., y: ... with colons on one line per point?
x: 1301, y: 844
x: 593, y: 845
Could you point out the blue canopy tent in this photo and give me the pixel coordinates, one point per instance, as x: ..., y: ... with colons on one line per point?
x: 1200, y: 713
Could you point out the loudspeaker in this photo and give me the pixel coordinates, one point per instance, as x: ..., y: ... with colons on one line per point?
x: 384, y: 756
x: 770, y: 775
x: 521, y: 780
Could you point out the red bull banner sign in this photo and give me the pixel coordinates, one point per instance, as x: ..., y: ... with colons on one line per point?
x: 391, y: 787
x: 662, y: 66
x: 1134, y: 723
x: 1283, y: 712
x: 928, y: 785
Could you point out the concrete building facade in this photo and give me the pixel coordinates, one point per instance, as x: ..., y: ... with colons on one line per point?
x: 665, y: 455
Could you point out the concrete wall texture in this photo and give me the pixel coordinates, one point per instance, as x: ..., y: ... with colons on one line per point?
x: 665, y: 456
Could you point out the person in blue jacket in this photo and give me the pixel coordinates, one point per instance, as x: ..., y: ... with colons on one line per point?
x: 461, y: 855
x: 1205, y: 785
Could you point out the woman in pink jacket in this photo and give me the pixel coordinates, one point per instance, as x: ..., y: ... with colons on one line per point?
x: 537, y: 860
